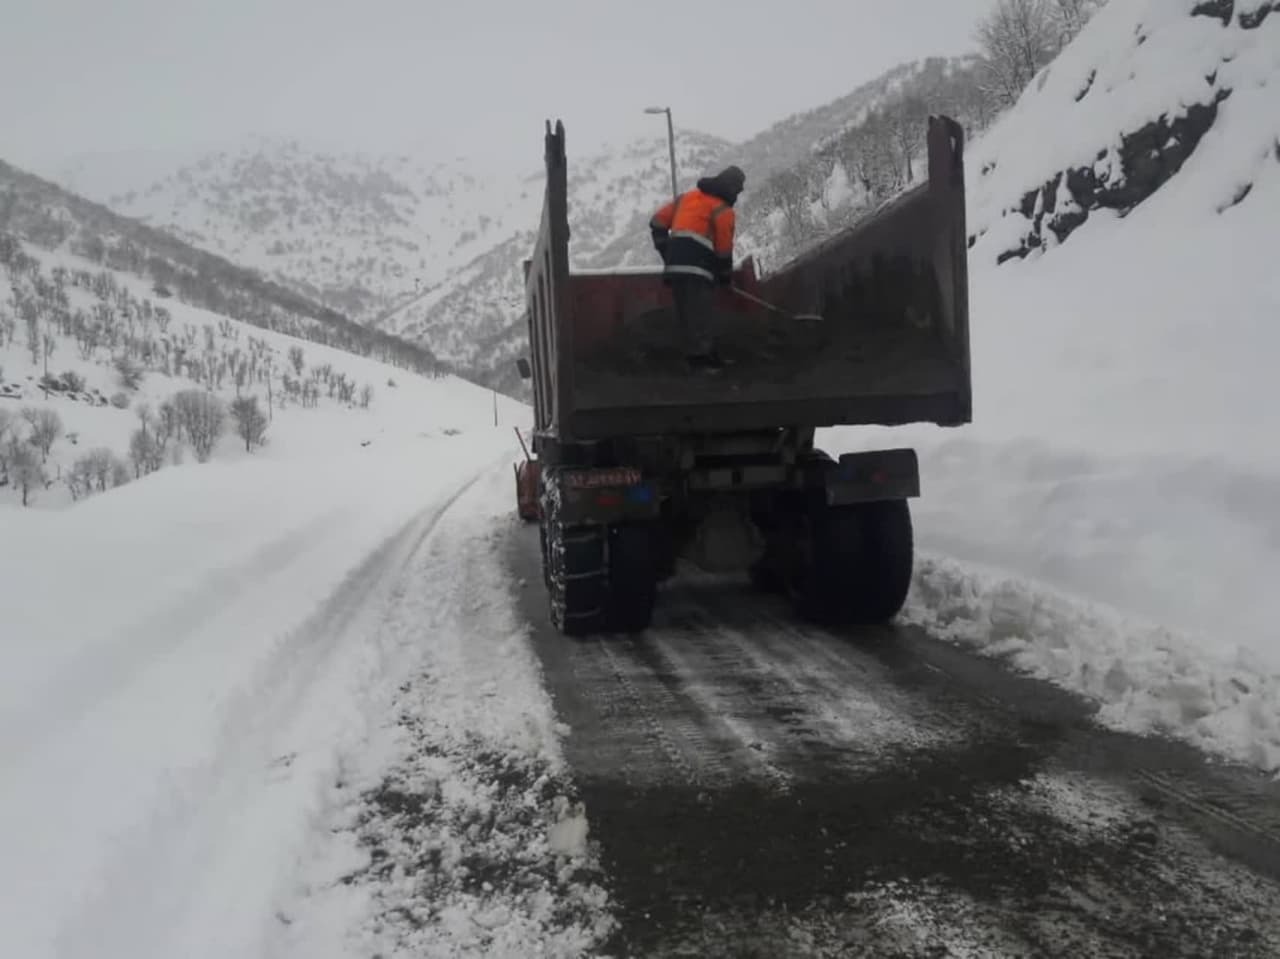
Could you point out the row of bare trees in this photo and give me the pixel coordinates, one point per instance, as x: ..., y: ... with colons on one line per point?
x: 135, y: 337
x: 26, y: 441
x: 1020, y: 37
x: 194, y: 417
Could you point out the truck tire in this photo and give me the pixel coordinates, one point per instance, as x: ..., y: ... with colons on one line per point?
x: 854, y: 563
x: 599, y: 579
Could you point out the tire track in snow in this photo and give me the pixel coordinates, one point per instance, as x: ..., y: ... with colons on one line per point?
x: 100, y: 672
x: 462, y: 836
x: 938, y: 804
x: 216, y: 813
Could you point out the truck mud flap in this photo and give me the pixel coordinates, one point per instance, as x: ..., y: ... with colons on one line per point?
x: 873, y: 475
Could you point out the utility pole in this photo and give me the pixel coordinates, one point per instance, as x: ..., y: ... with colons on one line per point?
x: 671, y: 146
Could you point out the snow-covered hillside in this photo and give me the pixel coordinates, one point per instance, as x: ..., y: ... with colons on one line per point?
x: 107, y: 370
x: 52, y: 218
x: 1123, y: 448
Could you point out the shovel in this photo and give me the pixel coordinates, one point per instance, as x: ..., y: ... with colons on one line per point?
x: 805, y: 317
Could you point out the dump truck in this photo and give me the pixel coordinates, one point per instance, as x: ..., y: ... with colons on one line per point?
x: 641, y: 462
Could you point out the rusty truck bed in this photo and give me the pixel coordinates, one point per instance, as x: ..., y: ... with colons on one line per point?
x: 892, y: 346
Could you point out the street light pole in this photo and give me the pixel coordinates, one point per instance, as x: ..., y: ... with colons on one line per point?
x: 671, y: 145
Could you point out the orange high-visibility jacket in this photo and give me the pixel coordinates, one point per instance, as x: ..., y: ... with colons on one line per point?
x: 696, y: 230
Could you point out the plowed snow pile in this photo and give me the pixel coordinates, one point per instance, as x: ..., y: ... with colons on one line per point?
x: 1124, y: 447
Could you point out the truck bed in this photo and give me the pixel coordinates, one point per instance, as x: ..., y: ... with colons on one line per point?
x: 773, y: 364
x: 892, y: 346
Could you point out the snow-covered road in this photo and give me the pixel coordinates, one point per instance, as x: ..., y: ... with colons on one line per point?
x: 327, y: 718
x: 176, y: 740
x: 759, y: 787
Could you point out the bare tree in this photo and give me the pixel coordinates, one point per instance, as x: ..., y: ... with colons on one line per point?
x: 24, y: 469
x: 251, y: 424
x: 1018, y: 37
x: 203, y: 419
x: 129, y: 372
x: 81, y: 475
x: 31, y: 317
x: 296, y: 359
x: 907, y: 123
x: 102, y: 465
x: 46, y: 427
x: 8, y: 433
x: 142, y: 452
x: 366, y: 396
x: 1070, y: 17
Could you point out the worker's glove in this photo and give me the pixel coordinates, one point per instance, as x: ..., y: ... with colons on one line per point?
x: 660, y: 238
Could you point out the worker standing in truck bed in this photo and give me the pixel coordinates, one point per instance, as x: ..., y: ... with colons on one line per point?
x: 694, y: 235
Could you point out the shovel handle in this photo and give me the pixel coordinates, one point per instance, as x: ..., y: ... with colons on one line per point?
x: 775, y: 309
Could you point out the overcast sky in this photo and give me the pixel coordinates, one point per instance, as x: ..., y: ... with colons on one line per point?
x: 456, y: 78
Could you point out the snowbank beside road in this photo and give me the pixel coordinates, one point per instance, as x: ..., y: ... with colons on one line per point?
x: 455, y: 830
x: 1123, y: 452
x: 1123, y: 449
x: 184, y: 658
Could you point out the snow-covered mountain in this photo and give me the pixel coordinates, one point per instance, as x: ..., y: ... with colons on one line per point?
x: 54, y: 219
x: 432, y: 251
x: 358, y: 232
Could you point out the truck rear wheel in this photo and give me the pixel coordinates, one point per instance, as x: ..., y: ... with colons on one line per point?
x: 599, y: 578
x: 853, y: 563
x: 576, y: 577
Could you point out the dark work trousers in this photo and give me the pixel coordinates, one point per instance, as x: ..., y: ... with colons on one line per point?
x: 695, y: 300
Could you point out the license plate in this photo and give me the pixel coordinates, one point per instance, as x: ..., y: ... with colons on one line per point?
x: 593, y: 479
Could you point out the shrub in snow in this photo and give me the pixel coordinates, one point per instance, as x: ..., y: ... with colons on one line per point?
x: 251, y: 422
x: 142, y: 452
x: 120, y: 401
x: 129, y: 371
x: 203, y: 418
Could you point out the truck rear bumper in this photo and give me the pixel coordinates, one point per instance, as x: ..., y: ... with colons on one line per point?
x: 942, y: 409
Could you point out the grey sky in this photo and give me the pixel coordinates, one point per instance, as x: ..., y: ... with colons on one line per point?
x: 459, y: 78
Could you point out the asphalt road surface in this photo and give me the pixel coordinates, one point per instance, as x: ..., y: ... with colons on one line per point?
x: 760, y: 787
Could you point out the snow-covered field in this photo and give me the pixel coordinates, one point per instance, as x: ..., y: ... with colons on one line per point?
x: 1123, y: 447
